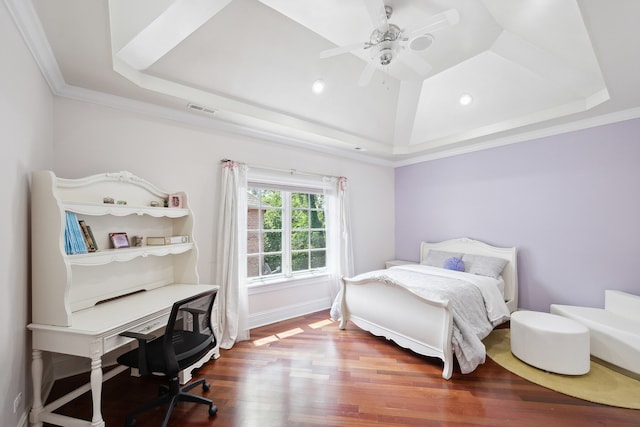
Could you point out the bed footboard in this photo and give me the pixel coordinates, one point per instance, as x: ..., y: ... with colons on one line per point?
x: 394, y: 312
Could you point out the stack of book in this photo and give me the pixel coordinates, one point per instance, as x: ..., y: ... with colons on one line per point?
x: 78, y: 238
x: 89, y: 240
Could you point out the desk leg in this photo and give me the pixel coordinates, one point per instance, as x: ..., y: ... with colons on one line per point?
x: 36, y: 374
x: 96, y: 391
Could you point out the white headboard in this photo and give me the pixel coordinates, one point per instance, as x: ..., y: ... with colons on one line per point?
x: 476, y: 247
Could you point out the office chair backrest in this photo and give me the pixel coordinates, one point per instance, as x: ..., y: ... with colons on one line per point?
x: 189, y: 334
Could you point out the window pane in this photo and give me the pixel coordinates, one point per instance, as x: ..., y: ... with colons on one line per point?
x: 318, y: 240
x: 253, y: 266
x: 272, y: 219
x: 299, y: 219
x: 253, y: 218
x: 300, y: 261
x: 272, y: 264
x: 272, y: 241
x: 253, y: 242
x: 299, y: 200
x: 317, y: 219
x: 318, y: 259
x: 271, y: 198
x: 316, y: 201
x: 299, y: 240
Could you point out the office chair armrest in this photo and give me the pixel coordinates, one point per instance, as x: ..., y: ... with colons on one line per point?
x: 195, y: 312
x: 142, y: 339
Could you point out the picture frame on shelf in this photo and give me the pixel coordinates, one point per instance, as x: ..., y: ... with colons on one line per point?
x: 175, y: 200
x: 119, y: 240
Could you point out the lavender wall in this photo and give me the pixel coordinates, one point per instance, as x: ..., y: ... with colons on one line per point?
x: 570, y: 204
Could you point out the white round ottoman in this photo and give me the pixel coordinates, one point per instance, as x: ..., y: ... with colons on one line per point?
x: 550, y: 342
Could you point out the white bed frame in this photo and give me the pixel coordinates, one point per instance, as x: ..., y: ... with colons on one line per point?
x: 411, y: 321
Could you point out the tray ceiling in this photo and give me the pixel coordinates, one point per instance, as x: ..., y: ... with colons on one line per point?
x: 527, y: 65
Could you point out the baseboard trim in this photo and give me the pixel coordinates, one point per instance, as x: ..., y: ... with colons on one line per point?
x: 283, y: 313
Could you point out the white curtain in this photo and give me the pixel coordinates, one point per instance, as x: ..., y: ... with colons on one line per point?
x: 231, y: 255
x: 340, y: 254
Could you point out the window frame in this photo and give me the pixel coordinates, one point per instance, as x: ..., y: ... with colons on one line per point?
x: 287, y: 274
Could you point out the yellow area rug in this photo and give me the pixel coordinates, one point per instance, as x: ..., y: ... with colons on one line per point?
x: 600, y: 385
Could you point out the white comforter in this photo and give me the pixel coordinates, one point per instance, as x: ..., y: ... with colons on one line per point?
x: 476, y: 302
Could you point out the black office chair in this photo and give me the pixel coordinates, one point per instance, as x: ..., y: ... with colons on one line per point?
x: 188, y: 338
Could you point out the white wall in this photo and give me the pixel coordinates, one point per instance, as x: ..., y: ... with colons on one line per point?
x: 26, y: 120
x: 91, y: 139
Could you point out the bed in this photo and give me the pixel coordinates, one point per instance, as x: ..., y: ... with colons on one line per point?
x: 436, y: 311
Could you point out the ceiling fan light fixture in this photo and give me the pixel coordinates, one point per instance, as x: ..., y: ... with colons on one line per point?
x: 380, y: 35
x: 386, y: 55
x: 385, y: 52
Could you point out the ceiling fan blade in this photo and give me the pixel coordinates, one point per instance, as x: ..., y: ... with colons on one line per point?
x: 415, y: 62
x: 366, y: 75
x: 436, y: 22
x: 342, y: 49
x: 377, y: 13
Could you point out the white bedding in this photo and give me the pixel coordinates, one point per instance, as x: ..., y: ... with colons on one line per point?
x: 476, y: 302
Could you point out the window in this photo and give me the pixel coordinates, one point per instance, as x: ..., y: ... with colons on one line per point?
x: 286, y: 232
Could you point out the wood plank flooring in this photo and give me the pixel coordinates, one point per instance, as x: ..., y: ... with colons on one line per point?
x: 307, y: 372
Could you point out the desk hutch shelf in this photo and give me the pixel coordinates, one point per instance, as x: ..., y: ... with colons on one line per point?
x: 62, y: 283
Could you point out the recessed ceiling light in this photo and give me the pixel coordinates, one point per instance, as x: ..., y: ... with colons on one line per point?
x: 466, y: 99
x: 318, y: 86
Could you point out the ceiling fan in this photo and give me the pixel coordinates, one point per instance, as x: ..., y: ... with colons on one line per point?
x: 388, y: 42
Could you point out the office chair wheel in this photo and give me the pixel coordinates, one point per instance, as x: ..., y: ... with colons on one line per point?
x: 206, y: 386
x: 213, y: 410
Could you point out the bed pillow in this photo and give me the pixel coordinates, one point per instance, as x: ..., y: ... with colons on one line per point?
x: 484, y: 265
x: 454, y: 263
x: 436, y: 258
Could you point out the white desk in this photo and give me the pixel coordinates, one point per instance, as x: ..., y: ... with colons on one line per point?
x: 94, y: 332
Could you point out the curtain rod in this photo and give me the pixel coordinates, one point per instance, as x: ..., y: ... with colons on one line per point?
x: 291, y: 171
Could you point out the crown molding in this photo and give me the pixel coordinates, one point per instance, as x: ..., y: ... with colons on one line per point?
x: 577, y: 125
x: 28, y: 23
x: 203, y: 121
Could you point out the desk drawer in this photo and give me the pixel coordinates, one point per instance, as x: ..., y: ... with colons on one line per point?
x: 114, y: 341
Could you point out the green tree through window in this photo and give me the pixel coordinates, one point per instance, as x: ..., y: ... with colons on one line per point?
x: 286, y: 232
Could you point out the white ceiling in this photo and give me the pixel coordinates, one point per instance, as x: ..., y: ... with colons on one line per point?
x: 532, y: 67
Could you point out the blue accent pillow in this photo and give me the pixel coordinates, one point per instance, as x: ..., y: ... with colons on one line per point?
x: 454, y: 263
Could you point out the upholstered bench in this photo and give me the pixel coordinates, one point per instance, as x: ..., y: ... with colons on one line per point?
x: 549, y: 342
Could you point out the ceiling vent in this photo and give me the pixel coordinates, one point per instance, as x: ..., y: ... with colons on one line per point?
x: 201, y: 109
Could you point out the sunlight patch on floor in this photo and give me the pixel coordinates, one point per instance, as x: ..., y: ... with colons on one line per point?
x: 265, y: 340
x: 320, y: 324
x: 291, y: 332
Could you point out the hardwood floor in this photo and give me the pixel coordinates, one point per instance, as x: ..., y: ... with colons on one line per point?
x: 307, y: 372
